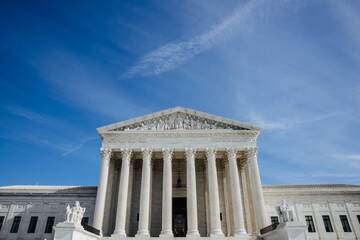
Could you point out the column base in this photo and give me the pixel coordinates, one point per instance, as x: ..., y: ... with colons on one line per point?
x: 193, y: 233
x: 239, y: 232
x: 168, y: 234
x: 216, y: 233
x: 119, y: 233
x: 142, y: 233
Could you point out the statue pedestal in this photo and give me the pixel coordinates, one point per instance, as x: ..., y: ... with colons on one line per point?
x: 72, y: 231
x: 287, y: 231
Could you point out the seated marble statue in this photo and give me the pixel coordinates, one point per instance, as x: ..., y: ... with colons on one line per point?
x: 75, y: 214
x: 286, y: 212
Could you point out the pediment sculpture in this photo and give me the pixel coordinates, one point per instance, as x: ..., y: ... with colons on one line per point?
x: 180, y: 121
x: 286, y: 212
x: 75, y: 214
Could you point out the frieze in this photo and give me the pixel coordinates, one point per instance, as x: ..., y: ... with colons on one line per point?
x: 233, y: 139
x: 214, y: 137
x: 306, y: 205
x: 323, y: 205
x: 340, y: 205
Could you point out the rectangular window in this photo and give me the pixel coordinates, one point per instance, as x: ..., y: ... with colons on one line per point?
x: 49, y: 224
x: 32, y: 224
x: 310, y: 223
x: 275, y: 220
x: 358, y: 216
x: 1, y: 221
x: 327, y: 223
x: 15, y: 225
x: 85, y: 221
x: 345, y: 223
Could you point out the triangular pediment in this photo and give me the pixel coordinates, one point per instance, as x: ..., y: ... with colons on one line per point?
x: 178, y: 118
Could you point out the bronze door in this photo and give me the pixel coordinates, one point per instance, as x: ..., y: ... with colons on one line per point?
x: 179, y: 217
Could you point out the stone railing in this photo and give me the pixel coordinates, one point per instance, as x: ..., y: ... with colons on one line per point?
x: 269, y: 228
x: 91, y: 229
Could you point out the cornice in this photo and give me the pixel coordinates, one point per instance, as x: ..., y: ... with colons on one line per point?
x: 312, y: 189
x: 305, y: 186
x: 171, y: 133
x: 48, y: 187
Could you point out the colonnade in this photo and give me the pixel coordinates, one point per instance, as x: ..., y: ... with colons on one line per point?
x: 192, y: 219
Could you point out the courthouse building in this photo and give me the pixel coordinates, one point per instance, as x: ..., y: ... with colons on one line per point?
x: 180, y: 173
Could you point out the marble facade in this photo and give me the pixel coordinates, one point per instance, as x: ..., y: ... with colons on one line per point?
x: 214, y: 153
x: 181, y: 172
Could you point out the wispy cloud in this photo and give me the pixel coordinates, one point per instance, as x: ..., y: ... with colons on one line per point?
x: 171, y: 55
x: 351, y: 21
x: 335, y: 175
x: 352, y: 160
x: 66, y: 148
x: 288, y: 123
x: 82, y: 86
x: 356, y: 157
x: 26, y: 113
x: 77, y: 147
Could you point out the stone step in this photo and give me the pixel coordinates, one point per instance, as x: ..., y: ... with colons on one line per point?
x: 244, y: 237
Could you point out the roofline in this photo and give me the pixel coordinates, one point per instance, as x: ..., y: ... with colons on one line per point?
x: 45, y: 187
x: 172, y: 110
x: 310, y: 186
x: 51, y: 187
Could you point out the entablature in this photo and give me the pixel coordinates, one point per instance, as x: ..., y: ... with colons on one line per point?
x: 180, y: 139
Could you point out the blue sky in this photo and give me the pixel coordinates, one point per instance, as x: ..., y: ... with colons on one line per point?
x: 291, y: 67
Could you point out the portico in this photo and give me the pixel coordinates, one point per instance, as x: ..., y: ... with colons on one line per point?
x: 179, y: 153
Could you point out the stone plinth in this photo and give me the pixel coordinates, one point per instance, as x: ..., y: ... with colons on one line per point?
x: 287, y: 231
x: 72, y: 231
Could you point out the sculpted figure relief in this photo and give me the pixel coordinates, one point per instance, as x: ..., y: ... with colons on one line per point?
x: 161, y: 125
x: 286, y: 212
x: 187, y: 123
x: 178, y: 121
x: 75, y: 214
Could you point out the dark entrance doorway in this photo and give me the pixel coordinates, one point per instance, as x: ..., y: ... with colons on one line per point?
x: 179, y: 217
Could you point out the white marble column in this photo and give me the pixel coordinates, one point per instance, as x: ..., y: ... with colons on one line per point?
x: 166, y: 221
x: 239, y: 227
x: 101, y: 191
x: 123, y: 193
x: 191, y: 199
x: 254, y: 223
x: 246, y: 199
x: 251, y: 201
x: 213, y: 193
x: 143, y: 229
x: 257, y: 188
x: 227, y: 195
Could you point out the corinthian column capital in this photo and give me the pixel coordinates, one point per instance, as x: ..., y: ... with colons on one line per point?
x: 106, y: 152
x: 126, y: 154
x: 167, y: 153
x: 146, y: 153
x: 190, y: 153
x: 252, y: 152
x: 210, y: 153
x: 231, y: 154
